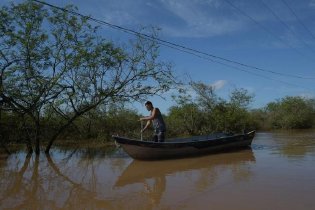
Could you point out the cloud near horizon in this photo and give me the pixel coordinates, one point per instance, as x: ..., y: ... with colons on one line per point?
x: 219, y: 84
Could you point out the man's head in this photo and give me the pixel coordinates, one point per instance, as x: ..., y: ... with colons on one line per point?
x: 149, y: 105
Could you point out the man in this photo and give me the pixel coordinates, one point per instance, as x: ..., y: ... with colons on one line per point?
x: 157, y: 120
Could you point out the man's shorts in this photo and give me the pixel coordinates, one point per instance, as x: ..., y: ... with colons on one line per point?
x: 159, y: 137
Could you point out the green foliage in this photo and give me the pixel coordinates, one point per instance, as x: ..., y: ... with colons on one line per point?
x: 101, y: 124
x: 54, y: 65
x: 291, y: 112
x: 207, y: 112
x: 59, y: 79
x: 258, y: 119
x: 184, y: 120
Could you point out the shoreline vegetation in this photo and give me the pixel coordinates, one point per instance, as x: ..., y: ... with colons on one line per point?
x: 61, y: 81
x: 95, y: 130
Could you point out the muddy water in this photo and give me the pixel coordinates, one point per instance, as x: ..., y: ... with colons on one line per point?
x: 278, y: 172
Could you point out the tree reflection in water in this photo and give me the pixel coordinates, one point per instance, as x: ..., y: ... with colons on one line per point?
x: 297, y: 144
x: 91, y: 180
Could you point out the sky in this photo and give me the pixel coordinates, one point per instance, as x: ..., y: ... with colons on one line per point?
x: 264, y: 46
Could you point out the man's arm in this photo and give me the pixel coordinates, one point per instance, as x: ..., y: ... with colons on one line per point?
x: 152, y: 116
x: 146, y: 126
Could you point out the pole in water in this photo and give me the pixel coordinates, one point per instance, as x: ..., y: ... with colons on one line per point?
x: 141, y: 131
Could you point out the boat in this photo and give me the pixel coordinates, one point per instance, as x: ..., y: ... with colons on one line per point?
x: 184, y: 147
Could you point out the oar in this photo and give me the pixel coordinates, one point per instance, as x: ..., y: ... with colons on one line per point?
x: 141, y: 131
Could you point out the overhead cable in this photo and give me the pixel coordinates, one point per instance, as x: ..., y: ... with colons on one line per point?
x: 286, y: 26
x: 298, y: 19
x: 267, y: 30
x: 181, y: 48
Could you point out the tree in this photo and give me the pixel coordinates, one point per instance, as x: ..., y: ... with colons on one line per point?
x: 185, y: 119
x: 24, y: 55
x: 210, y: 104
x: 291, y: 112
x: 206, y: 112
x: 206, y: 96
x: 237, y: 114
x: 52, y: 60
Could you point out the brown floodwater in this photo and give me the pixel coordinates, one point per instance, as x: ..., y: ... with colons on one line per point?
x: 278, y: 172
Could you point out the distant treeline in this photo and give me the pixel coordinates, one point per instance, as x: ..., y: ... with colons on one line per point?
x: 207, y: 113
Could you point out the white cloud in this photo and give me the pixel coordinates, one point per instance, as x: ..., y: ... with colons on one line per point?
x: 122, y: 12
x: 200, y: 18
x: 185, y: 18
x: 307, y: 95
x: 312, y: 3
x: 219, y: 84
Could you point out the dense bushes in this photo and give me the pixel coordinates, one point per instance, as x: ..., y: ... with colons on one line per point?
x: 208, y: 113
x: 290, y: 113
x: 187, y: 118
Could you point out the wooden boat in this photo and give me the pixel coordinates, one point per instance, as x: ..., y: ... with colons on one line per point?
x: 184, y: 147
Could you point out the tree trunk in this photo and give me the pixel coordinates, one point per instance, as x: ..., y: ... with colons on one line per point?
x: 37, y: 136
x: 29, y: 145
x: 4, y: 146
x: 28, y: 141
x: 70, y: 121
x: 51, y: 141
x: 37, y: 148
x: 2, y: 136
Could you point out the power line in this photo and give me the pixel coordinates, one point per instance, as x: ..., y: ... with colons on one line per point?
x: 256, y: 74
x: 181, y: 48
x: 286, y: 26
x: 233, y: 67
x: 265, y: 29
x: 237, y: 68
x: 298, y: 19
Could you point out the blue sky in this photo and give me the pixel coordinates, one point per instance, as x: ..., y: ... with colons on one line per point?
x: 273, y: 35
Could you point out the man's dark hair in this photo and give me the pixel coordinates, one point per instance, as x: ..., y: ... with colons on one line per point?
x: 148, y: 103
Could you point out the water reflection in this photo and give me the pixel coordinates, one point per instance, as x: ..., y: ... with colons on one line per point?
x: 109, y: 179
x: 297, y: 144
x: 138, y: 171
x: 202, y: 173
x: 79, y: 181
x: 12, y: 187
x: 292, y: 144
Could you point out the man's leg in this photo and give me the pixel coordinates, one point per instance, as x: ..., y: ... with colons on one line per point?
x: 155, y: 138
x: 161, y: 137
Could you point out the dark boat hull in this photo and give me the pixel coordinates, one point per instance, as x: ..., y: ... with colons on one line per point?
x: 146, y: 150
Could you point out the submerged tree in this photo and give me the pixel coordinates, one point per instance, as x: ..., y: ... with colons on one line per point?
x: 54, y: 62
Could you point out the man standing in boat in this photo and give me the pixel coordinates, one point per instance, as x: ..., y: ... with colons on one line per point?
x: 157, y: 120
